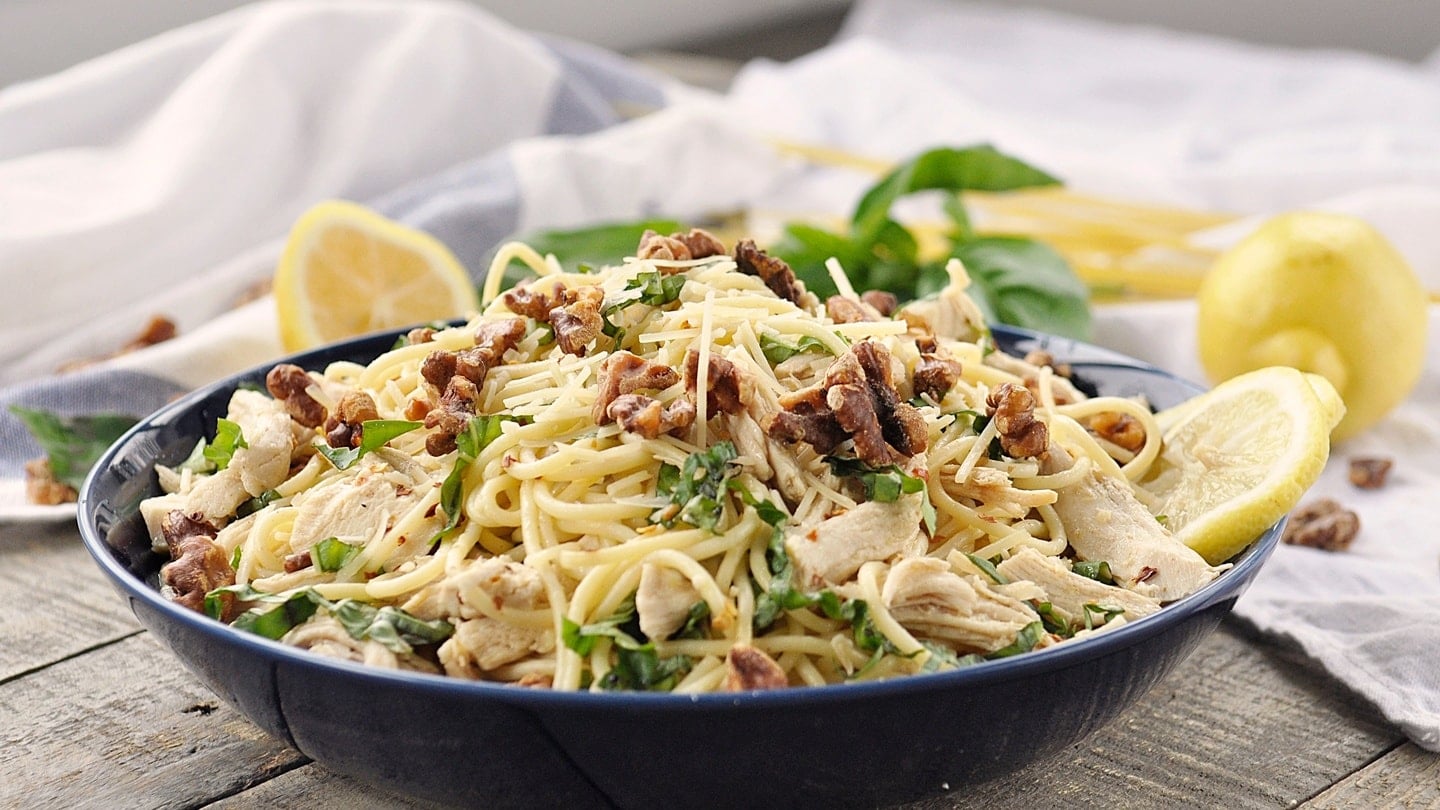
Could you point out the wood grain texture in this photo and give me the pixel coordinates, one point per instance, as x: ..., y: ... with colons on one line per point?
x: 1407, y: 777
x: 1236, y: 725
x: 314, y: 788
x: 55, y: 600
x: 126, y: 726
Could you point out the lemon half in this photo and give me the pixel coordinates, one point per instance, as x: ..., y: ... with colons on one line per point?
x: 347, y: 271
x: 1237, y: 458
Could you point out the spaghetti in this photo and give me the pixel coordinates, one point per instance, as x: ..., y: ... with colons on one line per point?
x: 726, y: 485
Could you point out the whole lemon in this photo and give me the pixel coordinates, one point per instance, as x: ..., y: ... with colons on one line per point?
x: 1323, y: 293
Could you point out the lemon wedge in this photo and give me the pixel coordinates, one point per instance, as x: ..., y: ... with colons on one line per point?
x: 1237, y: 458
x: 1324, y: 293
x: 347, y: 270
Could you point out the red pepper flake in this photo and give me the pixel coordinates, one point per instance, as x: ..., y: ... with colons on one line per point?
x: 1146, y: 574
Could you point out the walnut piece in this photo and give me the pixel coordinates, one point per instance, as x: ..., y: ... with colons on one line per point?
x: 1013, y: 409
x: 849, y: 310
x: 747, y: 668
x: 42, y: 487
x: 1322, y: 524
x: 288, y: 383
x: 1118, y: 428
x: 197, y: 564
x: 625, y: 373
x: 579, y: 321
x: 346, y: 425
x: 646, y: 416
x: 936, y: 372
x: 776, y: 274
x: 723, y: 386
x: 856, y: 400
x: 680, y: 247
x: 1369, y: 473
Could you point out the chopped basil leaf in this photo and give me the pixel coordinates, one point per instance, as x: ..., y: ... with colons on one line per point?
x: 1025, y: 641
x: 622, y: 627
x: 257, y: 503
x: 644, y: 670
x: 72, y: 443
x: 374, y: 434
x: 656, y: 289
x: 479, y: 432
x: 1163, y: 520
x: 234, y: 561
x: 332, y: 553
x: 777, y: 351
x: 273, y: 619
x: 228, y: 439
x: 397, y: 630
x: 694, y: 490
x: 196, y: 461
x: 1104, y: 613
x: 989, y: 569
x: 1052, y: 621
x: 697, y: 622
x: 1097, y: 570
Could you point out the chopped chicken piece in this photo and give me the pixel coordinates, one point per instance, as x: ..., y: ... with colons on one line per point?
x: 663, y: 600
x: 1069, y: 592
x: 262, y: 465
x: 358, y: 507
x: 1104, y: 522
x: 951, y: 314
x: 504, y: 582
x: 831, y: 551
x: 484, y: 644
x: 933, y: 602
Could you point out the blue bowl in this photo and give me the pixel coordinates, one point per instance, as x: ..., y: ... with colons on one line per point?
x: 484, y: 744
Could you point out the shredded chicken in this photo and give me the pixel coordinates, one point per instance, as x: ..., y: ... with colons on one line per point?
x: 485, y: 644
x: 831, y: 551
x: 494, y: 581
x: 1068, y: 592
x: 962, y: 612
x: 1104, y: 522
x: 663, y: 600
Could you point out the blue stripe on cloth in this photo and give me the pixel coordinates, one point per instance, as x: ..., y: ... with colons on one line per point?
x: 83, y: 392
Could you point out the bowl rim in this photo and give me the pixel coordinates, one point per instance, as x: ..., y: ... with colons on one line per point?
x: 1229, y: 584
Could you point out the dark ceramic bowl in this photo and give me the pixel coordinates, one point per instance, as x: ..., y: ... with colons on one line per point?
x: 482, y: 744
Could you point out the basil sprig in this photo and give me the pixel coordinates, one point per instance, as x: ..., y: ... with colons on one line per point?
x: 1015, y: 280
x: 72, y: 443
x: 228, y: 438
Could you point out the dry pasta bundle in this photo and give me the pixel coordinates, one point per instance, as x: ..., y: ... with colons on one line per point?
x: 680, y: 473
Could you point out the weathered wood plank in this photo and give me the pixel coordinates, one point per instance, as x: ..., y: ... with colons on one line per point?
x: 126, y: 726
x: 1407, y: 777
x: 1236, y: 725
x: 314, y: 788
x: 55, y: 600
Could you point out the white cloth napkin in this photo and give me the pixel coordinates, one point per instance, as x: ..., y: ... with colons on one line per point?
x: 189, y: 201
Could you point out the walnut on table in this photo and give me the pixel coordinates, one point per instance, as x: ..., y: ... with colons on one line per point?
x: 1322, y: 524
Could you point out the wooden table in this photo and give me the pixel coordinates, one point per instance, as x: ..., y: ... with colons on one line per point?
x: 95, y: 713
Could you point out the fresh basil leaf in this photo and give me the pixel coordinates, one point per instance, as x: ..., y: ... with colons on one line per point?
x: 622, y: 627
x: 974, y: 168
x: 694, y: 492
x: 196, y: 461
x: 332, y: 553
x: 1026, y: 283
x: 598, y: 245
x: 885, y: 485
x: 644, y: 670
x: 393, y: 628
x: 374, y: 434
x: 73, y: 443
x: 228, y: 439
x: 1052, y: 621
x: 234, y: 561
x: 777, y: 351
x: 257, y: 503
x: 656, y: 289
x: 1100, y: 615
x: 1098, y: 570
x: 989, y: 569
x: 697, y: 622
x: 1025, y: 641
x: 479, y: 432
x: 273, y: 620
